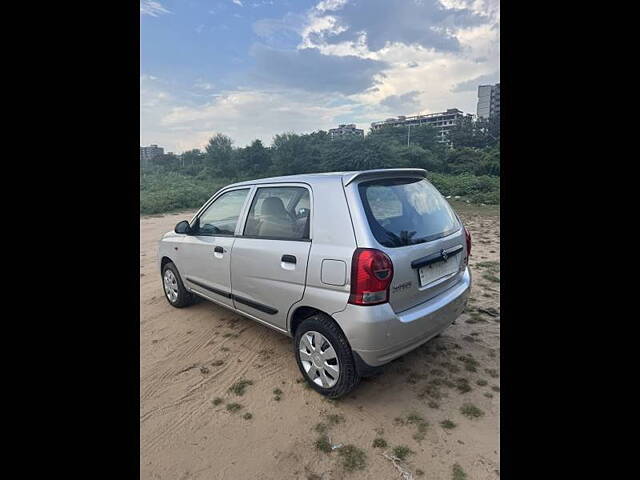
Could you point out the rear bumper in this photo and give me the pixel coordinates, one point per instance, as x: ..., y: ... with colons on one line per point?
x: 378, y: 335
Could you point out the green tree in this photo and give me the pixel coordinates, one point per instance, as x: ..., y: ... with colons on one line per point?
x: 254, y: 160
x: 220, y: 156
x: 480, y: 133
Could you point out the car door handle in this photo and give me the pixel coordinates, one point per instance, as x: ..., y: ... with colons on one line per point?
x: 289, y: 259
x: 218, y: 250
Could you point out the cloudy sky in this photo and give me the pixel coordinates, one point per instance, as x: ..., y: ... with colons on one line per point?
x: 254, y: 68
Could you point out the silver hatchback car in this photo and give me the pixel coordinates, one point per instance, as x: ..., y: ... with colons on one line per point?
x: 358, y: 268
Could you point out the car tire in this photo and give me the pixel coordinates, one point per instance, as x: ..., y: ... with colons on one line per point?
x: 315, y: 361
x: 174, y: 290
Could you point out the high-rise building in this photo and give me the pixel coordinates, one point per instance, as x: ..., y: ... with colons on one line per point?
x: 149, y: 153
x: 489, y: 101
x: 346, y: 130
x: 441, y: 121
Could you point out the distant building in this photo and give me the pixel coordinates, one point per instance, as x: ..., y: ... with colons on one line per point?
x: 149, y: 153
x: 489, y: 101
x: 346, y: 130
x: 441, y: 121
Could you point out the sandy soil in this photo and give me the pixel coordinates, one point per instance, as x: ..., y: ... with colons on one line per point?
x: 191, y: 356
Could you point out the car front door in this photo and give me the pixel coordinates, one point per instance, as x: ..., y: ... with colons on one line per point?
x: 206, y: 252
x: 269, y: 258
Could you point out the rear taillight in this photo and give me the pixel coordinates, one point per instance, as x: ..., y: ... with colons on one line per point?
x: 468, y: 237
x: 371, y: 275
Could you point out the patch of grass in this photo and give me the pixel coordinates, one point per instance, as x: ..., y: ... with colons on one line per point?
x: 335, y: 419
x: 204, y: 370
x: 278, y: 394
x: 217, y: 363
x: 321, y: 428
x: 491, y: 277
x: 471, y: 411
x: 492, y: 372
x: 462, y: 384
x: 470, y: 363
x: 419, y: 472
x: 240, y: 386
x: 488, y: 394
x: 379, y: 443
x: 437, y: 372
x: 495, y: 388
x: 489, y: 265
x: 432, y: 391
x: 402, y: 452
x: 353, y: 458
x: 433, y: 404
x: 233, y: 407
x: 414, y: 418
x: 323, y: 444
x: 458, y: 473
x: 224, y: 349
x: 448, y: 424
x: 217, y: 401
x: 247, y: 416
x: 482, y: 382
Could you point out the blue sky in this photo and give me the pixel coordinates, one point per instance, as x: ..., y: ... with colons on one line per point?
x: 255, y: 68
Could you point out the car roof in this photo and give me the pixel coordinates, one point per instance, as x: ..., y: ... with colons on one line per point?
x: 346, y: 177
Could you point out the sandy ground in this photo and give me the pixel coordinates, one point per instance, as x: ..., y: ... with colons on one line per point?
x: 191, y: 356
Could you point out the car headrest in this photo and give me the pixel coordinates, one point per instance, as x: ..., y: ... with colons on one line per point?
x: 273, y: 206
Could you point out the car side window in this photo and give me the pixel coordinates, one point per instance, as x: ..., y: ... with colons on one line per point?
x: 279, y: 213
x: 221, y: 217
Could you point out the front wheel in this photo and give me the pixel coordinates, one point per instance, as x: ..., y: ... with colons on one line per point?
x: 324, y: 357
x: 174, y: 290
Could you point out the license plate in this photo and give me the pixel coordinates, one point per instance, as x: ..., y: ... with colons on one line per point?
x: 435, y: 271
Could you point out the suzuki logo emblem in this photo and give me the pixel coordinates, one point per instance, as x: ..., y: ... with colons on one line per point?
x: 444, y: 254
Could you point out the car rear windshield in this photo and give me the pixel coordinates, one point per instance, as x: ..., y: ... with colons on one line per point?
x: 406, y: 211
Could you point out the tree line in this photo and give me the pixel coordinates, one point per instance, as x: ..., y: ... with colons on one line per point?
x: 471, y: 160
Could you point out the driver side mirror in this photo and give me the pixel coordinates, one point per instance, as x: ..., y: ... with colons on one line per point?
x: 183, y: 227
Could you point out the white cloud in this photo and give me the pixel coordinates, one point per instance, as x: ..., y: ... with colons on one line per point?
x: 415, y: 79
x: 435, y: 73
x: 238, y: 2
x: 204, y: 85
x: 154, y: 9
x: 173, y: 120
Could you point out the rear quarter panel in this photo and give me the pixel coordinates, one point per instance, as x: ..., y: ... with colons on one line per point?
x: 333, y: 238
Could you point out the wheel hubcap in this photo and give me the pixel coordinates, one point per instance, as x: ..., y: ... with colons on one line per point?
x: 319, y: 359
x: 170, y: 286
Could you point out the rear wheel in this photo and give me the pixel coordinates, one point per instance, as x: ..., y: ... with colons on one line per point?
x: 324, y: 357
x: 174, y: 290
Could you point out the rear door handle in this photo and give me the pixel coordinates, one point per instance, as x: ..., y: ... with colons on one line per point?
x: 218, y: 250
x: 289, y: 259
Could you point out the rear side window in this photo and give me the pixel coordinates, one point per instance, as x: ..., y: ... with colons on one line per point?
x: 406, y: 211
x: 279, y: 213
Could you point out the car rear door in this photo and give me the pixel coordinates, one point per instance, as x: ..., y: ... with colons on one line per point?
x: 206, y: 253
x: 269, y: 258
x: 410, y: 221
